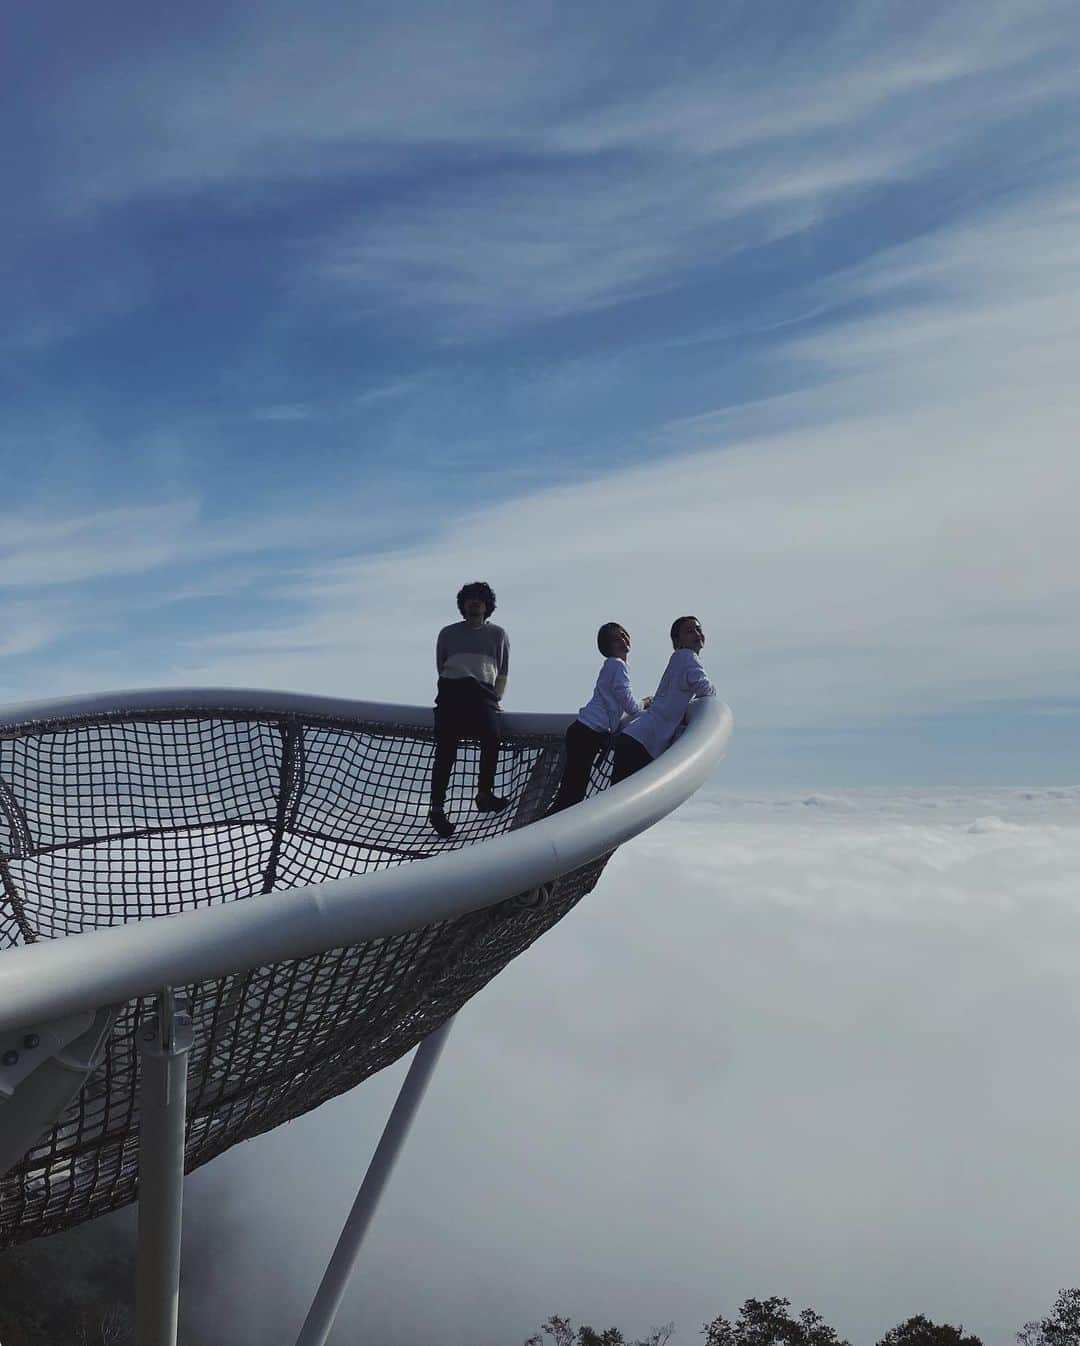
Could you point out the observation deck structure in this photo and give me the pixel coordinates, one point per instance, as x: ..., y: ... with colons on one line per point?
x: 221, y: 908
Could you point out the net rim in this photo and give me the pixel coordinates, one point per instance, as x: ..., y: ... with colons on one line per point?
x: 49, y: 979
x: 27, y: 715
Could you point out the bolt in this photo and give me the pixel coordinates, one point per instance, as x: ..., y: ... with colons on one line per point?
x: 149, y: 1034
x: 31, y: 1041
x: 10, y: 1057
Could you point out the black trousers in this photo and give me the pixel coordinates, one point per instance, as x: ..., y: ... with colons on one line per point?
x: 630, y: 756
x: 464, y: 708
x: 583, y: 747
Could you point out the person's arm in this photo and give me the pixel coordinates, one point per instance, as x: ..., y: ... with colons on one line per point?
x: 620, y: 688
x: 440, y: 652
x: 503, y: 675
x: 697, y: 680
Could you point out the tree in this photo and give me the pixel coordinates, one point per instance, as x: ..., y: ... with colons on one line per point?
x: 1061, y: 1326
x: 562, y: 1333
x: 766, y: 1322
x: 920, y: 1331
x: 72, y: 1289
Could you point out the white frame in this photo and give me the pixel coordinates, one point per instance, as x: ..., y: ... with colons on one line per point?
x: 53, y: 978
x: 85, y: 972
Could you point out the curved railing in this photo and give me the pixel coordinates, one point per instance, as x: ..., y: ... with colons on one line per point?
x: 298, y: 990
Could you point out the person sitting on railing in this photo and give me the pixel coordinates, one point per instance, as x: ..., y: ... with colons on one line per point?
x: 591, y: 732
x: 472, y: 658
x: 684, y: 679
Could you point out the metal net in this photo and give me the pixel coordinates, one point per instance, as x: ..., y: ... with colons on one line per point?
x: 120, y: 817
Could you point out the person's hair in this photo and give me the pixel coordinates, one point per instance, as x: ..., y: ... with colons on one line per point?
x: 675, y: 629
x: 477, y: 589
x: 605, y: 637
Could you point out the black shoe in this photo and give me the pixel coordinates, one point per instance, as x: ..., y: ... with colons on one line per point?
x: 440, y: 822
x: 486, y: 802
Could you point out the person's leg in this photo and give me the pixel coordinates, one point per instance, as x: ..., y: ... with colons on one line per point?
x: 446, y: 746
x: 489, y: 761
x: 447, y: 738
x: 487, y: 728
x: 583, y: 746
x: 630, y: 756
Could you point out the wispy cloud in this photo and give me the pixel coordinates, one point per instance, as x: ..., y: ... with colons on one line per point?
x: 645, y: 191
x: 558, y: 192
x: 379, y: 349
x: 882, y: 562
x: 114, y: 542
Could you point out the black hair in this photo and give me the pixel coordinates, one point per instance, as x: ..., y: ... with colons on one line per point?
x: 605, y: 635
x: 477, y: 589
x: 675, y: 629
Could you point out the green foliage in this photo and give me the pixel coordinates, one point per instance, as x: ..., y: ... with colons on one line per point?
x: 70, y: 1290
x: 1061, y: 1326
x: 562, y: 1332
x: 766, y: 1322
x: 920, y: 1331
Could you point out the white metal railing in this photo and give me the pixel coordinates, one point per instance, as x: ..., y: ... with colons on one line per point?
x: 85, y: 971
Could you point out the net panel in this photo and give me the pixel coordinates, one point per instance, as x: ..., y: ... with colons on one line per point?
x: 115, y: 818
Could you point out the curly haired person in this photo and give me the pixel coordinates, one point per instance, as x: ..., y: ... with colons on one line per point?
x: 472, y: 659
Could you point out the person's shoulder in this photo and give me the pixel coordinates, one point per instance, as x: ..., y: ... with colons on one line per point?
x: 496, y: 631
x: 454, y: 626
x: 613, y: 664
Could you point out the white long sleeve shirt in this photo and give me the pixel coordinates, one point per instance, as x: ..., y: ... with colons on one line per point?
x: 684, y: 679
x: 611, y: 698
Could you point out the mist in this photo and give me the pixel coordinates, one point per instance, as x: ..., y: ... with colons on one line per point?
x: 808, y: 1045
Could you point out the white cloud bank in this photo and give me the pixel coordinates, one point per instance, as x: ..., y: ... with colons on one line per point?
x: 808, y: 1046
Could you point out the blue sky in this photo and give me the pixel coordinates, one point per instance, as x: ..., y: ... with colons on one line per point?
x: 768, y: 312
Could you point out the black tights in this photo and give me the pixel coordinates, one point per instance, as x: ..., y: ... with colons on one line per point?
x: 583, y: 747
x: 630, y: 756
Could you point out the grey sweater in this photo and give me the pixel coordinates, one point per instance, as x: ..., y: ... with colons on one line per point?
x: 480, y: 652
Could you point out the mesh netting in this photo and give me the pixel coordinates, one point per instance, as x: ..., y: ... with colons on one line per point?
x: 116, y: 818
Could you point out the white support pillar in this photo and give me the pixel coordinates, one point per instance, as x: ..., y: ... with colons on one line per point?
x: 335, y: 1279
x: 164, y: 1043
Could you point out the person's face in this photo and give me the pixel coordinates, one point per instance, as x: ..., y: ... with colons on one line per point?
x: 620, y: 643
x: 475, y: 610
x: 690, y: 636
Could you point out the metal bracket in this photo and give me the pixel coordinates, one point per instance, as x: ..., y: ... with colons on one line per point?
x: 42, y: 1068
x: 537, y: 897
x: 167, y: 1033
x: 22, y: 1052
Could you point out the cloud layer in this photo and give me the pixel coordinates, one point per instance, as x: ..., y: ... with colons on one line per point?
x: 807, y: 1045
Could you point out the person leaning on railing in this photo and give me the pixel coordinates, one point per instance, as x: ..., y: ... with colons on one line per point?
x: 684, y: 680
x: 590, y: 734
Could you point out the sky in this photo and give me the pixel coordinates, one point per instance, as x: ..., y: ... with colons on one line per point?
x: 768, y: 312
x: 812, y: 1045
x: 765, y: 312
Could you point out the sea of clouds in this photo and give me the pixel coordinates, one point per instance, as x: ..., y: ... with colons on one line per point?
x: 809, y: 1044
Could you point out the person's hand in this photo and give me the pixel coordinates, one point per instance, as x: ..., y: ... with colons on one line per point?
x: 647, y: 702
